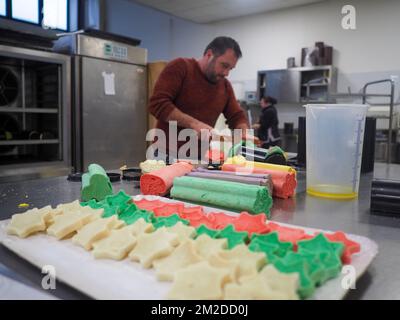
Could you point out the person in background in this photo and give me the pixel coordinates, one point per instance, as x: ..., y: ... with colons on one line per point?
x: 267, y: 126
x: 195, y: 92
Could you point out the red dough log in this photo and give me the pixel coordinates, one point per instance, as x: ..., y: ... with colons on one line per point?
x: 284, y: 182
x: 159, y: 182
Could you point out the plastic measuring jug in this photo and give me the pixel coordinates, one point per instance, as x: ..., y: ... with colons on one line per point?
x: 334, y: 142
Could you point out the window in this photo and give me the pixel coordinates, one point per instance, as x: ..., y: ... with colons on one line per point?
x: 3, y: 8
x: 47, y: 13
x: 54, y: 14
x: 25, y: 10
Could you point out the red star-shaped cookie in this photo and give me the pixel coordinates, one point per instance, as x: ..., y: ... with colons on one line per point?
x: 350, y: 247
x: 251, y: 223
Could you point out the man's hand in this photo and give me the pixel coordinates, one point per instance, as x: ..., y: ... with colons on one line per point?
x: 202, y: 129
x: 249, y: 137
x: 256, y: 126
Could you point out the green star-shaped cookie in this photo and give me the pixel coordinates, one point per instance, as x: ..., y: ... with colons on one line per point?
x: 269, y: 249
x: 234, y: 237
x: 168, y: 221
x: 109, y: 211
x: 321, y: 244
x: 92, y: 204
x: 323, y: 265
x: 120, y: 199
x: 273, y: 238
x: 130, y: 215
x: 204, y: 230
x: 294, y: 262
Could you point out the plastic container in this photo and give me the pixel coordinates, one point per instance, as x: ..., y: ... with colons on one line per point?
x: 334, y: 135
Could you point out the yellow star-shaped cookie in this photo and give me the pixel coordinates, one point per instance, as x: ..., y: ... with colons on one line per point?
x: 249, y: 262
x: 183, y: 256
x: 269, y: 284
x: 141, y: 226
x: 254, y: 288
x: 66, y: 224
x: 116, y: 245
x: 199, y: 281
x: 94, y: 231
x: 206, y: 246
x: 32, y: 221
x: 71, y: 206
x: 152, y: 246
x: 231, y: 265
x: 184, y: 232
x: 285, y: 283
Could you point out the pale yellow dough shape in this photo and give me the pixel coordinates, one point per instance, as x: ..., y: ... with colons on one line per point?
x: 116, y: 246
x: 199, y: 281
x: 287, y: 283
x: 232, y: 266
x: 94, y: 231
x: 72, y: 207
x: 184, y: 232
x: 67, y: 223
x: 29, y: 222
x: 141, y: 226
x: 249, y: 262
x: 268, y: 285
x: 152, y: 246
x: 206, y: 246
x: 183, y: 256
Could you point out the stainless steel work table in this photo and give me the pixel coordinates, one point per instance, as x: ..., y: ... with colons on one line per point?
x: 381, y: 281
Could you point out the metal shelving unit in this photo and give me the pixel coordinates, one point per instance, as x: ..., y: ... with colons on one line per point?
x: 28, y: 110
x: 364, y: 96
x: 298, y: 85
x: 28, y: 142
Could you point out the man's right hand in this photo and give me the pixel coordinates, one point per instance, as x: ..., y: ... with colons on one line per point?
x: 203, y: 130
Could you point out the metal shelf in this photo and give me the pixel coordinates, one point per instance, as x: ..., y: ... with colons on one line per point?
x: 28, y: 110
x: 358, y: 95
x: 28, y: 142
x: 316, y: 85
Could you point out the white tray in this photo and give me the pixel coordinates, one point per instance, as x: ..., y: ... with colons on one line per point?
x: 108, y: 279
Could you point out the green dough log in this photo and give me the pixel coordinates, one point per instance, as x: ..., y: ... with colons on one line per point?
x: 230, y: 195
x: 95, y: 184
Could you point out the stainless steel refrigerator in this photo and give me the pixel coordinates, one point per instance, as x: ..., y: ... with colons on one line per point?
x: 109, y: 99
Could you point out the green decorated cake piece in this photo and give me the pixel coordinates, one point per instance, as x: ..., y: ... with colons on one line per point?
x: 95, y: 184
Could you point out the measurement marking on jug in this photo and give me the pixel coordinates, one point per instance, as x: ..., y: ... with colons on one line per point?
x: 359, y: 120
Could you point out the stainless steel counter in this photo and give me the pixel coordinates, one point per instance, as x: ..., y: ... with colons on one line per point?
x: 381, y: 281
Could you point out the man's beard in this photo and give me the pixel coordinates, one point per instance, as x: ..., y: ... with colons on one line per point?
x: 210, y: 73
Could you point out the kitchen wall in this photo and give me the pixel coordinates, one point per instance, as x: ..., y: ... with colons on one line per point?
x: 164, y: 35
x: 368, y: 53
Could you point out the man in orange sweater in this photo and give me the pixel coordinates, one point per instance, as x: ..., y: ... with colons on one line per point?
x: 193, y: 93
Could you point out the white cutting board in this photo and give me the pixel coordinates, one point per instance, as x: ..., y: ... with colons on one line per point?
x: 108, y: 279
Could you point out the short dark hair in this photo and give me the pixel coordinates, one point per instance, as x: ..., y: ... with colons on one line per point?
x: 220, y: 44
x: 269, y: 99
